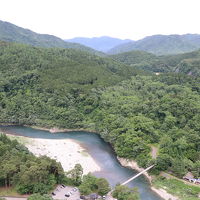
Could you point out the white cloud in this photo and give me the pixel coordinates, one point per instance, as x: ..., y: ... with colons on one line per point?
x: 119, y: 18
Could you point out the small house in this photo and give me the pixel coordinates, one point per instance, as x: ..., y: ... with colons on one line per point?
x: 189, y: 176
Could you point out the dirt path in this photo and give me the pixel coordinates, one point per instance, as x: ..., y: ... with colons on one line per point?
x: 154, y: 152
x: 15, y: 198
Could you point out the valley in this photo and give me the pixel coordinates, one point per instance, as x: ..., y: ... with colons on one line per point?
x: 134, y: 100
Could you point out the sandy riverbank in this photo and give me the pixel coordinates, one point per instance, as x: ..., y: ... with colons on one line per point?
x: 133, y: 165
x: 58, y: 130
x: 66, y: 151
x: 51, y: 130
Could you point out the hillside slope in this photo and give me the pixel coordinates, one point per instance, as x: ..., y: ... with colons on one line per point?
x: 142, y: 60
x: 162, y: 44
x: 12, y: 33
x: 58, y: 68
x: 187, y: 63
x: 189, y: 66
x: 48, y: 78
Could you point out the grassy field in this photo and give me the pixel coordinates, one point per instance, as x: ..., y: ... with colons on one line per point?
x: 178, y: 188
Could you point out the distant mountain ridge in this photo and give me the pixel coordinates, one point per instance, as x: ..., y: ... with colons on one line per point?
x: 103, y: 43
x: 156, y: 44
x: 161, y: 44
x: 12, y: 33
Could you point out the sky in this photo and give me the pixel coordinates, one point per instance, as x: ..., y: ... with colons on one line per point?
x: 125, y: 19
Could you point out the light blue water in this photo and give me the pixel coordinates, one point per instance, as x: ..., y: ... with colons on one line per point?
x: 100, y: 151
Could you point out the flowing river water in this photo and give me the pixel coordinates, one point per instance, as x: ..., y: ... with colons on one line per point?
x: 101, y: 152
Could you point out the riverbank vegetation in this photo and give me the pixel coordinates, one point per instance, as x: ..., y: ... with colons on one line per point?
x: 178, y: 188
x: 25, y: 172
x: 71, y: 89
x: 122, y: 192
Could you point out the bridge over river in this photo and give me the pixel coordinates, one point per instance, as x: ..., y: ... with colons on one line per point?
x: 109, y: 196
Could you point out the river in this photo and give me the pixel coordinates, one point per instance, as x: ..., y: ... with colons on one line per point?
x: 100, y: 151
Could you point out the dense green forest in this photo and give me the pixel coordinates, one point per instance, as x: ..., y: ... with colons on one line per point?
x: 145, y: 111
x: 27, y: 173
x: 188, y: 63
x: 132, y: 110
x: 142, y: 60
x: 66, y: 69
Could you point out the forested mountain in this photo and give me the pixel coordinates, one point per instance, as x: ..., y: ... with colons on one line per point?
x: 174, y: 60
x: 187, y: 63
x: 65, y: 69
x: 12, y: 33
x: 162, y: 44
x: 68, y: 88
x: 103, y: 43
x: 142, y: 60
x: 189, y: 66
x: 163, y: 111
x: 134, y: 57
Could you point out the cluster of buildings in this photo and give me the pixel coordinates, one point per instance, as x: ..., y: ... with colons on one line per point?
x: 189, y: 177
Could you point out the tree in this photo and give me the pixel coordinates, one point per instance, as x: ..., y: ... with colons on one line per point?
x: 196, y: 169
x: 179, y: 167
x: 103, y: 186
x: 89, y: 184
x: 76, y: 174
x: 163, y: 161
x: 85, y: 189
x: 122, y: 192
x: 129, y: 145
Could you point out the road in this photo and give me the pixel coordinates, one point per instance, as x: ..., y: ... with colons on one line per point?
x: 15, y: 198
